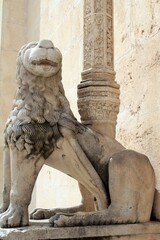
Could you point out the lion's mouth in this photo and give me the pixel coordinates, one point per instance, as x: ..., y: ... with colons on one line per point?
x: 44, y: 62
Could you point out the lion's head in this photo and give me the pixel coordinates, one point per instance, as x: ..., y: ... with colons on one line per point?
x: 40, y: 58
x: 40, y: 96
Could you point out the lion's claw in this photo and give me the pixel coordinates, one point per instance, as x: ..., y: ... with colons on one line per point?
x: 40, y: 213
x: 58, y: 220
x: 37, y: 214
x: 14, y: 217
x: 65, y: 220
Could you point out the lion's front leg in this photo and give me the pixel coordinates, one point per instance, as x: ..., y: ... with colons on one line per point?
x: 80, y: 219
x: 6, y: 180
x: 24, y: 172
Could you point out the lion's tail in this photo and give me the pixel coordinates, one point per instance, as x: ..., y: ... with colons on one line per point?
x: 156, y: 205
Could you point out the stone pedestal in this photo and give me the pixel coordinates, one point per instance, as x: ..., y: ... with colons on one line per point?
x: 42, y: 231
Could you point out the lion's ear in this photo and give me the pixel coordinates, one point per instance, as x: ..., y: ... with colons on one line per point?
x: 21, y: 49
x: 25, y: 47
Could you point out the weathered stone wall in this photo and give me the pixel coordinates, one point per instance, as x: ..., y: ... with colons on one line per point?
x: 13, y: 35
x: 137, y: 64
x: 33, y: 20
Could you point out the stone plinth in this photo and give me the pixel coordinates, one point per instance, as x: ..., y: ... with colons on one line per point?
x: 42, y: 231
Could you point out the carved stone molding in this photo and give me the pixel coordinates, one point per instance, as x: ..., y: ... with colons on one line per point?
x: 98, y: 103
x: 98, y: 93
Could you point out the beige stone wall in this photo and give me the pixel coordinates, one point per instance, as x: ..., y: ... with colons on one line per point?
x: 33, y: 20
x: 1, y: 8
x: 137, y: 65
x: 13, y: 34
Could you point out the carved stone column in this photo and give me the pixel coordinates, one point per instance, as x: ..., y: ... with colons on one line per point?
x: 98, y: 93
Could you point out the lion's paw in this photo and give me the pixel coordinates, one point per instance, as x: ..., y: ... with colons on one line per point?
x: 59, y: 220
x: 66, y: 220
x: 40, y: 213
x: 14, y: 217
x: 79, y: 219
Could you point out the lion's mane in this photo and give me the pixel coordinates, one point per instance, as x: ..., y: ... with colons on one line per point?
x: 40, y: 109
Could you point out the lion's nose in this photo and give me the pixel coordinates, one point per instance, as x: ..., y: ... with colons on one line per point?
x: 45, y: 44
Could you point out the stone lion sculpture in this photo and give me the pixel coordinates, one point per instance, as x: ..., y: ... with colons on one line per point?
x: 42, y: 129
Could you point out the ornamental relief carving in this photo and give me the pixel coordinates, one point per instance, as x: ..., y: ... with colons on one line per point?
x: 88, y: 42
x: 109, y: 39
x: 87, y: 7
x: 98, y: 6
x: 109, y: 7
x: 98, y: 41
x: 87, y: 55
x: 98, y: 110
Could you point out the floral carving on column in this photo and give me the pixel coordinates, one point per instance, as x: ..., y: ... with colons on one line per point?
x: 98, y: 93
x: 99, y: 41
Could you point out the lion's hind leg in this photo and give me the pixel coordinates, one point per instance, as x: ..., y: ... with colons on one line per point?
x: 131, y: 188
